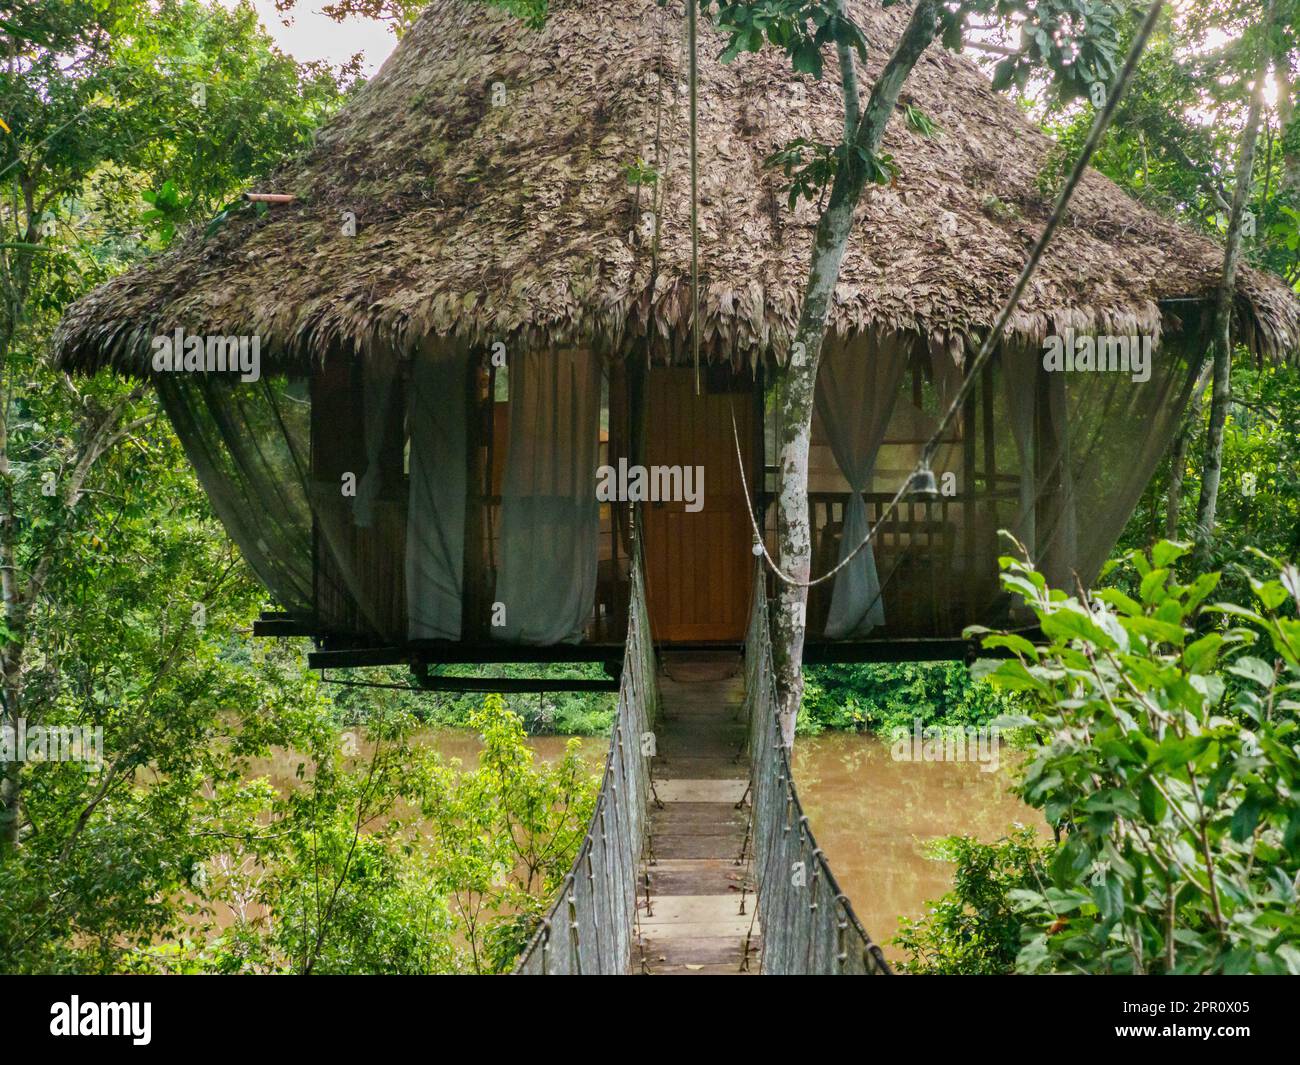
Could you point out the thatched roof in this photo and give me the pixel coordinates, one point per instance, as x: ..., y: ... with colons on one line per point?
x: 517, y: 222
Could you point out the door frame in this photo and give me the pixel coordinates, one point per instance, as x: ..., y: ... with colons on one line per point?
x: 640, y: 384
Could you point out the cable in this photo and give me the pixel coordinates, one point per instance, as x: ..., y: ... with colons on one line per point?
x: 995, y: 334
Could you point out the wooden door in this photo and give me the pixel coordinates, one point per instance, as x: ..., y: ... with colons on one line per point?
x: 698, y: 564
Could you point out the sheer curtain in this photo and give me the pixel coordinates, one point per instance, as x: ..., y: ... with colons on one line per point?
x: 1058, y: 539
x: 857, y: 387
x: 1115, y: 433
x: 435, y: 523
x: 378, y: 395
x: 1017, y: 372
x: 550, y: 518
x: 249, y: 446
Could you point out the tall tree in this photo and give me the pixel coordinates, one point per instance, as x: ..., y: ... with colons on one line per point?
x: 1072, y: 42
x: 1177, y: 141
x: 104, y: 99
x: 1221, y: 336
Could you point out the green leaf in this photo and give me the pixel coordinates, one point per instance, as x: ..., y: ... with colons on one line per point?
x: 1200, y: 589
x: 1271, y: 593
x: 1167, y: 552
x: 1074, y: 624
x: 1003, y: 74
x: 807, y: 59
x: 1291, y: 581
x: 1153, y: 630
x: 1255, y: 669
x: 1201, y: 655
x: 1153, y: 804
x: 1153, y: 586
x: 1121, y: 602
x: 1246, y: 817
x: 1012, y: 642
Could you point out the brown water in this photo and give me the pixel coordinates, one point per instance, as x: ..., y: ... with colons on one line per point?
x: 281, y: 766
x: 873, y: 817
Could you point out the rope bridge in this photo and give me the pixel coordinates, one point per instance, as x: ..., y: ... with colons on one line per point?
x: 589, y: 927
x: 808, y: 925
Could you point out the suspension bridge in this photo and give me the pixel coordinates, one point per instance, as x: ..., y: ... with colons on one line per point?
x: 699, y: 858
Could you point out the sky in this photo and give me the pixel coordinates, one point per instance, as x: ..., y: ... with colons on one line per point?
x: 310, y: 35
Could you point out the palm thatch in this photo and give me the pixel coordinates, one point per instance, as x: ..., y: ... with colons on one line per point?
x: 484, y: 217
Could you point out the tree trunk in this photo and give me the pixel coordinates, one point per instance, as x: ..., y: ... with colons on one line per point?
x: 11, y: 657
x: 1221, y: 337
x: 794, y: 532
x: 10, y: 781
x: 1286, y: 114
x: 1178, y: 458
x: 794, y: 535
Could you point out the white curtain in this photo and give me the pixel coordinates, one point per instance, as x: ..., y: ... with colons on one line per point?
x: 857, y: 387
x: 435, y: 523
x: 550, y: 518
x: 1017, y: 372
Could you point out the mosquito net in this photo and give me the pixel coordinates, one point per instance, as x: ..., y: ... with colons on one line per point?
x: 413, y: 500
x: 1058, y: 457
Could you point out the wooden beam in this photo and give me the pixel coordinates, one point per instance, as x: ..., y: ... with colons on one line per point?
x: 279, y: 627
x: 336, y: 655
x: 513, y: 685
x: 911, y: 650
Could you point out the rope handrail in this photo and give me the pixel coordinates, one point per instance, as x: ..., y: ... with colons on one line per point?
x: 808, y: 924
x: 588, y: 929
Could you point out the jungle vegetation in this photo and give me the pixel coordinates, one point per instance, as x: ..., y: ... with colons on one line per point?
x: 1169, y: 786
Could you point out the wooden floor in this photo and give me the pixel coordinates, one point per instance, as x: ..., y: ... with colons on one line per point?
x: 693, y: 922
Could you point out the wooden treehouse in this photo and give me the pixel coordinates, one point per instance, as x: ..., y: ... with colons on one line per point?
x: 478, y: 298
x: 476, y: 433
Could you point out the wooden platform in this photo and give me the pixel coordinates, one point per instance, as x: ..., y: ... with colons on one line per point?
x: 699, y: 918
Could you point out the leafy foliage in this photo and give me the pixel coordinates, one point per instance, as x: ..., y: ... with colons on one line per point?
x: 800, y: 28
x: 400, y: 862
x: 1169, y: 762
x: 810, y: 166
x: 974, y: 930
x: 884, y: 698
x: 1075, y: 41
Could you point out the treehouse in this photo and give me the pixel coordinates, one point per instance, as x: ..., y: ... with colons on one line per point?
x: 472, y: 296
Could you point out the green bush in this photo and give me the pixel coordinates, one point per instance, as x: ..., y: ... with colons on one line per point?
x: 886, y: 697
x: 1168, y: 761
x: 974, y: 930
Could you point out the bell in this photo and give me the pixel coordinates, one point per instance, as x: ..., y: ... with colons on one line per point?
x: 922, y: 484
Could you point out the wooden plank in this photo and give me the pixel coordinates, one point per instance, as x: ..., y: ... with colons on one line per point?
x: 723, y: 954
x: 691, y: 816
x: 698, y: 877
x: 706, y: 790
x: 701, y: 907
x: 695, y: 916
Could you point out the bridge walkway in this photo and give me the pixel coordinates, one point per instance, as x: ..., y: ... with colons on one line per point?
x: 696, y: 911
